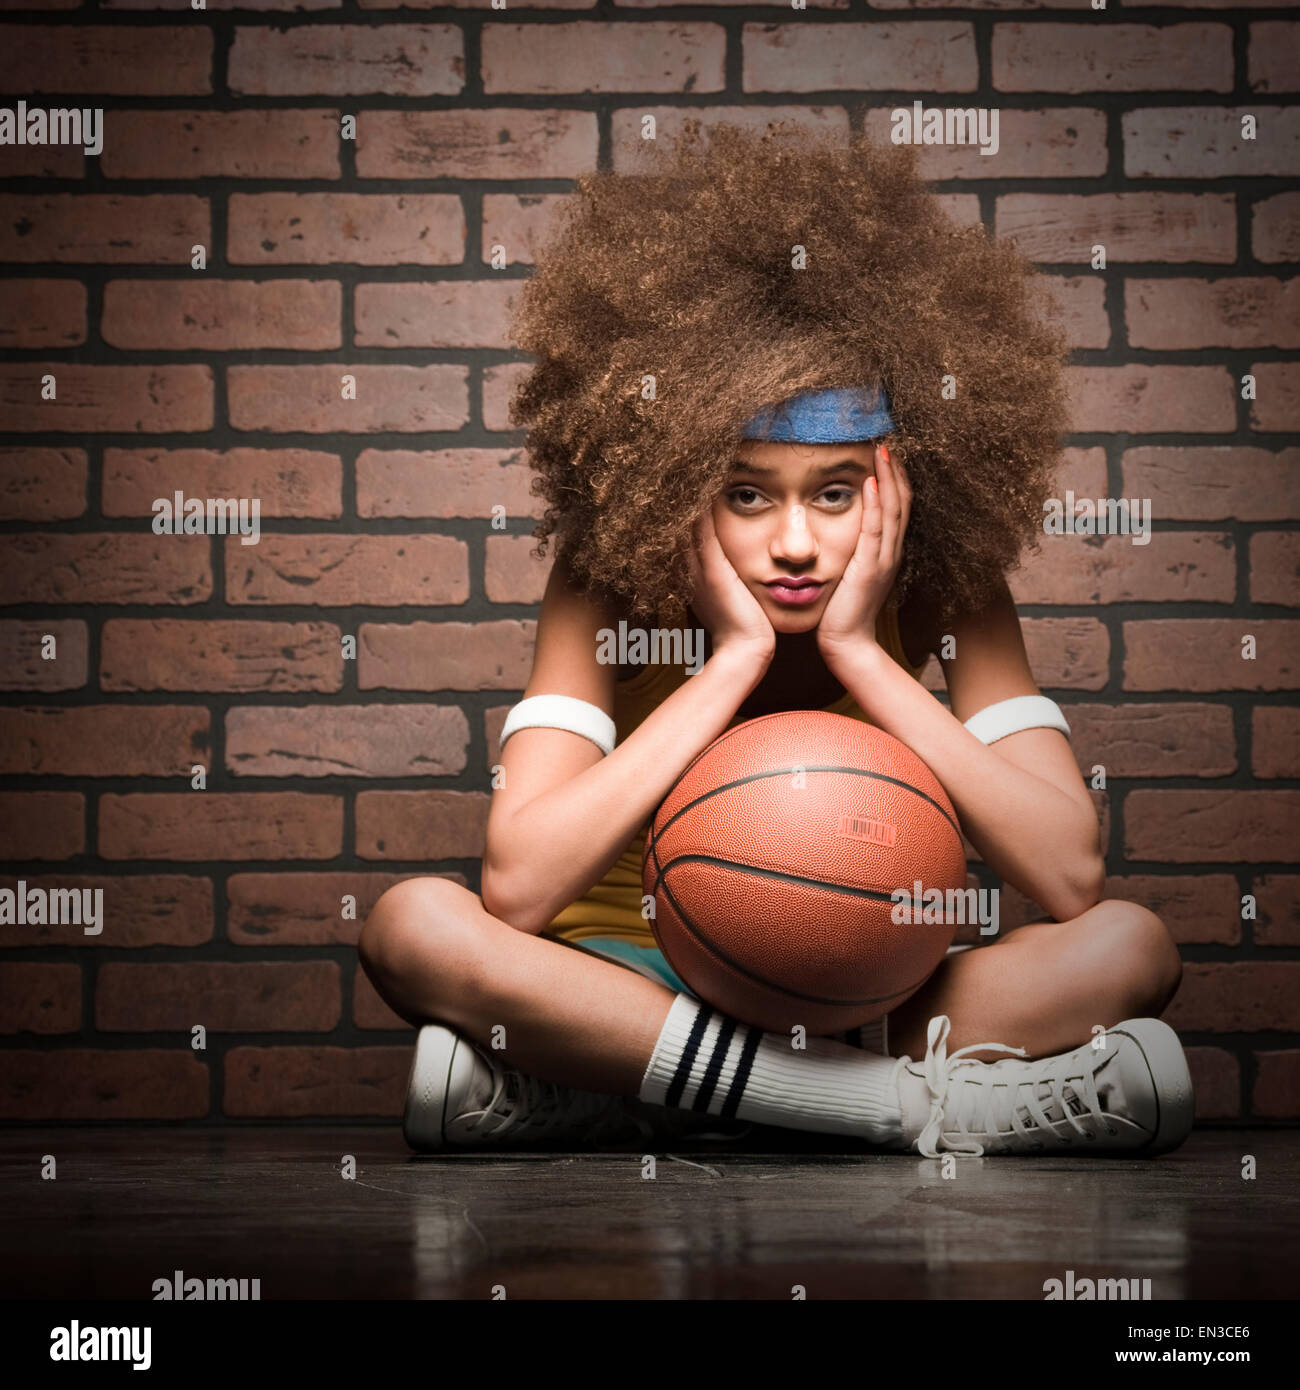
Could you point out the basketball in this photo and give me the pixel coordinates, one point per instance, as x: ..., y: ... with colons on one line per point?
x: 774, y: 863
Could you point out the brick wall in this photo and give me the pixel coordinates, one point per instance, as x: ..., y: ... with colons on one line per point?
x: 131, y: 658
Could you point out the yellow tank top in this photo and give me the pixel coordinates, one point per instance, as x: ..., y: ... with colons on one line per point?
x: 613, y: 906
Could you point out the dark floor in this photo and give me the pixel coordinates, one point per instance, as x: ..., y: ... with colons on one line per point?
x: 131, y: 1206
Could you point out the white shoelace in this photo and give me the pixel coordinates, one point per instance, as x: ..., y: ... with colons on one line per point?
x: 1000, y: 1090
x: 537, y: 1108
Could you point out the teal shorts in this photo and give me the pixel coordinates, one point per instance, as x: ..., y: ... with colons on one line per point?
x: 645, y: 960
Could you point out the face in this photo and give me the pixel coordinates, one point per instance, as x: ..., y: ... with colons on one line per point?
x: 793, y: 511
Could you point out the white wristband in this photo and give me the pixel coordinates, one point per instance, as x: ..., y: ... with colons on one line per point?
x: 562, y: 712
x: 1011, y: 716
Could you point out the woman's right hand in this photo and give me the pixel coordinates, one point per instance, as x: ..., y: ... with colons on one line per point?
x: 733, y: 616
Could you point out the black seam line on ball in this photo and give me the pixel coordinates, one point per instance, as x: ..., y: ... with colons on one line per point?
x: 877, y: 895
x: 687, y: 1060
x: 708, y: 945
x: 753, y: 1036
x: 720, y: 1049
x: 789, y: 772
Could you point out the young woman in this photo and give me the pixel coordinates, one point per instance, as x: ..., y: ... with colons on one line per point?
x: 704, y: 461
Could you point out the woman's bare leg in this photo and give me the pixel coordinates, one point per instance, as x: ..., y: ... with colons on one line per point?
x: 435, y: 954
x: 1047, y: 984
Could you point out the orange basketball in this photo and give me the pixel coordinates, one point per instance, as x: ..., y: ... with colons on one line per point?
x: 774, y: 862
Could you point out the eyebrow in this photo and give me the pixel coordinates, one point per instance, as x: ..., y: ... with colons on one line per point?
x: 852, y: 464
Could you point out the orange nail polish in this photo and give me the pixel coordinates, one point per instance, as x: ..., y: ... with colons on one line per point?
x: 872, y: 481
x: 885, y: 451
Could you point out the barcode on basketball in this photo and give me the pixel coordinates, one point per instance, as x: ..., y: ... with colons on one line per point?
x: 876, y: 832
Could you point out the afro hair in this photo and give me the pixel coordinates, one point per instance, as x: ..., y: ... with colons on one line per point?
x: 742, y: 269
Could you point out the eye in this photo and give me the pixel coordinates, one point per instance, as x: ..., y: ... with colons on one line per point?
x: 845, y: 495
x: 734, y: 494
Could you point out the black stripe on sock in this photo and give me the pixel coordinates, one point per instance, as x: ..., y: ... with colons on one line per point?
x: 753, y: 1036
x: 720, y: 1049
x: 682, y: 1075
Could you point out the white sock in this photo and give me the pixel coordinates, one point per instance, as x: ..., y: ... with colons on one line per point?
x: 709, y: 1063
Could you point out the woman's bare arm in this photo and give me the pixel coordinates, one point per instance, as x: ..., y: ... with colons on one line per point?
x: 565, y: 812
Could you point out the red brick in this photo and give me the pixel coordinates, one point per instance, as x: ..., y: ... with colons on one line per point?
x: 260, y: 997
x: 305, y: 909
x: 36, y: 997
x: 406, y: 740
x: 474, y: 144
x: 410, y: 60
x: 1275, y: 567
x: 1165, y: 740
x: 1194, y: 654
x: 521, y: 223
x: 1065, y: 653
x: 1277, y: 903
x: 1275, y: 741
x: 466, y: 482
x: 1212, y: 826
x: 1206, y: 142
x: 1271, y: 58
x: 287, y: 482
x: 630, y: 151
x: 42, y: 313
x: 1199, y: 909
x: 1111, y: 57
x: 1169, y: 227
x: 103, y: 740
x: 1145, y: 399
x: 84, y: 567
x: 368, y: 1009
x: 1237, y: 997
x: 499, y: 385
x: 85, y: 1084
x: 108, y: 228
x: 42, y: 484
x: 1275, y: 228
x: 138, y: 910
x: 423, y: 825
x: 208, y: 825
x: 1277, y: 1085
x: 1060, y: 142
x: 937, y: 56
x: 42, y: 825
x: 334, y: 1081
x: 581, y: 56
x: 218, y: 654
x: 1244, y: 311
x: 445, y: 656
x: 223, y: 145
x: 1216, y: 482
x: 222, y: 315
x: 308, y: 399
x: 1216, y: 1083
x: 352, y: 228
x: 510, y: 572
x: 22, y: 667
x: 446, y: 314
x: 177, y: 396
x: 1278, y: 404
x: 1174, y: 566
x: 122, y: 60
x: 42, y: 161
x: 337, y: 571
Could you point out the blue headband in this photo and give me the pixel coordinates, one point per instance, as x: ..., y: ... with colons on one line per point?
x: 838, y: 416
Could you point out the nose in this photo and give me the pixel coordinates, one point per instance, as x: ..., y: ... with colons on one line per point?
x: 794, y: 541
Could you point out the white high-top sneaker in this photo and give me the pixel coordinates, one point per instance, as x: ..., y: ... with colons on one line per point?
x: 459, y: 1096
x: 1132, y: 1097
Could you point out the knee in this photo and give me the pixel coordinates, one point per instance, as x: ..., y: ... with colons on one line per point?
x: 418, y: 925
x: 1151, y: 963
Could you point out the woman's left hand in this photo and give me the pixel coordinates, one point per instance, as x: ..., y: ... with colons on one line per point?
x: 849, y: 619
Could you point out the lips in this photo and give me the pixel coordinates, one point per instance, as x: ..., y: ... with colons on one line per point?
x: 795, y: 594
